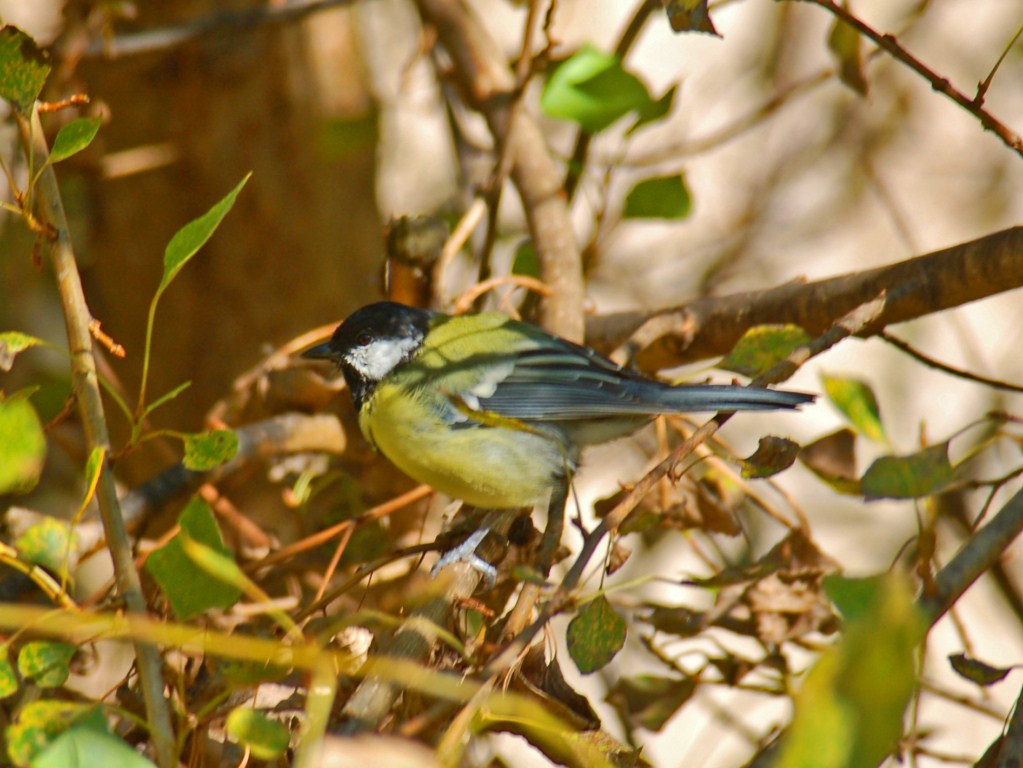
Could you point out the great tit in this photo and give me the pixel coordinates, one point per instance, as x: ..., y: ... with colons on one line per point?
x: 494, y: 411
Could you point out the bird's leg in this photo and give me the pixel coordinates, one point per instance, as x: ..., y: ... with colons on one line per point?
x: 555, y: 527
x: 484, y: 548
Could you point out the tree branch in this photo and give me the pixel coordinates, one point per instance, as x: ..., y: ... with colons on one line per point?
x: 489, y: 86
x: 85, y: 384
x: 920, y: 286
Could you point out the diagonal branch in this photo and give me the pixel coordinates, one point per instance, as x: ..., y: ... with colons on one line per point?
x: 488, y: 84
x: 920, y: 286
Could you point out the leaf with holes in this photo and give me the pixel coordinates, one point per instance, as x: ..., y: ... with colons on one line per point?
x: 595, y: 635
x: 24, y: 68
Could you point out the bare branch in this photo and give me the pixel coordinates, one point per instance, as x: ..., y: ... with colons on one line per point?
x: 919, y: 286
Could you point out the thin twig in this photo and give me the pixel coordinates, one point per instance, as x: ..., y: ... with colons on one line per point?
x: 890, y: 43
x: 930, y: 362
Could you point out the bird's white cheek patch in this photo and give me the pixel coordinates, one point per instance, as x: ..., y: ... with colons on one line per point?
x: 379, y: 358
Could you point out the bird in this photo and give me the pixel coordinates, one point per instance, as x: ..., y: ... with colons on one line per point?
x: 494, y: 411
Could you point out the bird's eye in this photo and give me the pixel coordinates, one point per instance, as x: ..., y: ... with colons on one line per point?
x: 363, y: 339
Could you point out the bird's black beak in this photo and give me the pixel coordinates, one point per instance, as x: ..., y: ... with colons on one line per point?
x: 320, y: 352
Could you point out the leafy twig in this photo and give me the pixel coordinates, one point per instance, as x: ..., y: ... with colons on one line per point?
x: 940, y: 84
x: 90, y: 404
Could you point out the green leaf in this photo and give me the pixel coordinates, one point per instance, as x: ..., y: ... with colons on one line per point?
x: 909, y: 477
x: 855, y: 399
x: 846, y: 44
x: 649, y: 701
x: 773, y: 455
x: 850, y: 710
x: 665, y: 197
x: 24, y: 68
x: 167, y: 397
x: 8, y: 680
x: 267, y: 739
x: 12, y: 343
x: 82, y: 747
x: 73, y: 138
x: 689, y: 16
x: 526, y: 261
x: 208, y: 450
x: 38, y: 723
x: 22, y: 444
x: 762, y: 347
x: 977, y: 671
x: 46, y: 662
x: 833, y: 459
x: 191, y: 237
x: 655, y: 110
x: 595, y: 635
x: 47, y: 544
x: 592, y: 89
x: 191, y: 590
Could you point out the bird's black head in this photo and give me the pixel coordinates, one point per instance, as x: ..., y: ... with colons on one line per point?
x: 372, y: 342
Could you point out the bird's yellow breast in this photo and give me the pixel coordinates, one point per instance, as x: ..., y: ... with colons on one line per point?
x: 494, y: 467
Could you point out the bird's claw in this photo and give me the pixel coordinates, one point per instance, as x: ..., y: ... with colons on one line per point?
x: 466, y: 553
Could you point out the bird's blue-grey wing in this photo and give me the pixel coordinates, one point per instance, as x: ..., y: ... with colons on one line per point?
x: 565, y: 382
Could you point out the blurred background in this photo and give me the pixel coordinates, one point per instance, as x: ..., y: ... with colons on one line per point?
x: 344, y: 123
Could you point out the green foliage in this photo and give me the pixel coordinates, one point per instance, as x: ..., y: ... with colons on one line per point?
x: 977, y: 671
x: 920, y: 474
x: 689, y: 16
x: 46, y: 662
x: 857, y: 402
x: 649, y: 701
x: 22, y: 444
x: 73, y: 138
x: 849, y: 712
x: 266, y: 738
x: 208, y: 450
x: 595, y: 635
x: 185, y: 243
x: 762, y: 347
x: 12, y: 343
x: 665, y: 197
x: 192, y: 590
x: 83, y: 746
x: 23, y: 68
x: 526, y: 261
x: 39, y: 723
x: 8, y: 680
x: 773, y: 455
x: 592, y: 89
x: 846, y: 45
x: 47, y: 543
